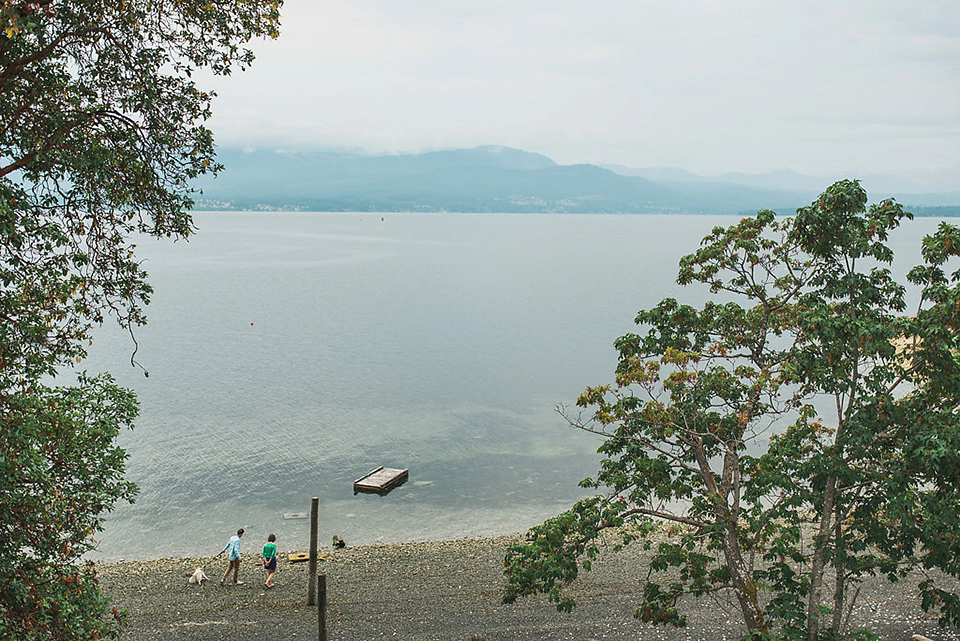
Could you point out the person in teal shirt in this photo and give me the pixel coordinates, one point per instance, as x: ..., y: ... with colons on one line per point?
x: 269, y: 556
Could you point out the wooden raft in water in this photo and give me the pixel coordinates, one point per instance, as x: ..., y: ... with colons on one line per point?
x: 380, y: 480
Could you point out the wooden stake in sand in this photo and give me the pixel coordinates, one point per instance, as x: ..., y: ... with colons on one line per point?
x: 314, y: 525
x: 322, y: 608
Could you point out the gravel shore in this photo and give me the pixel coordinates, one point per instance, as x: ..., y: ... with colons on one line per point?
x: 436, y: 591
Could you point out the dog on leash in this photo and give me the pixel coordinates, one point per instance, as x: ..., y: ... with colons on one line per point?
x: 198, y: 577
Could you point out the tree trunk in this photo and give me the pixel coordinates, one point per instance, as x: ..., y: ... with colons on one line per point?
x: 743, y: 585
x: 740, y: 577
x: 819, y: 561
x: 840, y: 582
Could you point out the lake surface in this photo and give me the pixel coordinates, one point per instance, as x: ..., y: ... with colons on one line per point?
x: 291, y: 353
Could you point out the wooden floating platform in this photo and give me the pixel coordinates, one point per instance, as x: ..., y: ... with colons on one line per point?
x: 381, y: 480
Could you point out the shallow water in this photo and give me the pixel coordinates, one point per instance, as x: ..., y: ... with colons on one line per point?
x: 291, y: 353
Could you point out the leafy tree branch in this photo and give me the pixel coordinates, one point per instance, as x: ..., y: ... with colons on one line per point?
x: 101, y: 135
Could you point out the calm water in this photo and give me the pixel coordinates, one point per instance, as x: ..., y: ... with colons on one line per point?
x: 291, y: 353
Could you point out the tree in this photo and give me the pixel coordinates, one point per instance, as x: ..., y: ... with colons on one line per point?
x: 101, y: 133
x: 795, y: 434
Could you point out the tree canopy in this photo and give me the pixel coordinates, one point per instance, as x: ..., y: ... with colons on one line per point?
x: 795, y: 434
x: 101, y: 133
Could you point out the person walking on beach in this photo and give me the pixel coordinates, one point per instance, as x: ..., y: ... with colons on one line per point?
x: 269, y: 556
x: 233, y: 553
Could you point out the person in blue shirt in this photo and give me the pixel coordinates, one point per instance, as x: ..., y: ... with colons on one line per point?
x: 232, y: 548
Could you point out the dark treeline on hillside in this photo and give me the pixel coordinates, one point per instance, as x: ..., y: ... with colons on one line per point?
x: 944, y: 211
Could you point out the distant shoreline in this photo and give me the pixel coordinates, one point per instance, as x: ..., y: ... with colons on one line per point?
x: 919, y: 211
x: 501, y: 179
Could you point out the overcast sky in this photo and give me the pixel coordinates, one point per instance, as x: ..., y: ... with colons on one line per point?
x: 816, y: 86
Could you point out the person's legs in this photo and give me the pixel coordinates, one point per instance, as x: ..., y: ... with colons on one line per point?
x: 236, y: 571
x: 271, y: 568
x: 226, y: 573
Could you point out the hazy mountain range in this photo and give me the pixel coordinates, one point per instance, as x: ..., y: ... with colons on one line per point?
x: 502, y: 179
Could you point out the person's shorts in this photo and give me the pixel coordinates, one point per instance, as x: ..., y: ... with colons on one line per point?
x: 270, y: 565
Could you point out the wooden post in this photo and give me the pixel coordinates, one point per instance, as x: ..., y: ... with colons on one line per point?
x: 311, y: 584
x: 322, y: 607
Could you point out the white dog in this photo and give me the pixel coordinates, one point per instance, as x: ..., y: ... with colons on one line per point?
x: 198, y: 576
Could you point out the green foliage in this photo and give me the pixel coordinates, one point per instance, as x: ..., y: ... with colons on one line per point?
x: 101, y: 134
x: 552, y: 559
x: 61, y: 470
x: 796, y: 434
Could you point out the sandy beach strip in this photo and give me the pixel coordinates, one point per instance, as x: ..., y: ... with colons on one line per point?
x: 436, y: 591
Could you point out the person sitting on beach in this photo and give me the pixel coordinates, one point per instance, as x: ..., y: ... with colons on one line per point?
x: 233, y: 553
x: 269, y: 556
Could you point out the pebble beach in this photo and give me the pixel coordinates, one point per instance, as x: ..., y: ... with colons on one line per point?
x: 436, y: 591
